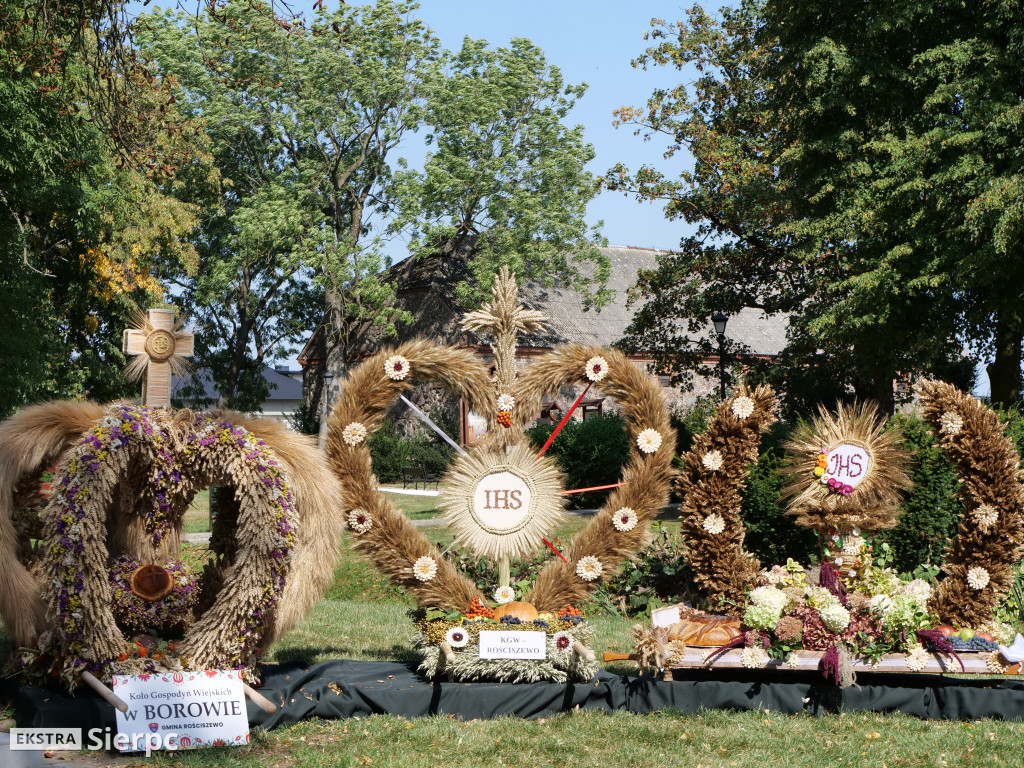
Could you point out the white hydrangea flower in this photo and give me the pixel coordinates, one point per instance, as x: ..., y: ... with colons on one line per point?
x: 753, y: 657
x: 359, y: 520
x: 881, y: 604
x: 396, y: 367
x: 712, y: 460
x: 456, y: 637
x: 742, y: 407
x: 918, y: 658
x: 819, y: 597
x: 985, y: 515
x: 504, y: 595
x: 506, y: 402
x: 769, y: 598
x: 950, y: 423
x: 835, y: 617
x: 597, y: 368
x: 589, y: 568
x: 354, y: 433
x: 920, y: 589
x: 625, y: 519
x: 714, y: 524
x: 425, y: 568
x: 649, y: 440
x: 977, y: 578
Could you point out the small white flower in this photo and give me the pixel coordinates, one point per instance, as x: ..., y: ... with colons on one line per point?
x: 793, y: 661
x: 425, y: 568
x: 950, y: 423
x: 562, y: 641
x: 712, y: 460
x: 855, y: 531
x: 359, y: 520
x: 985, y: 515
x: 839, y: 562
x: 649, y: 440
x: 714, y: 524
x: 597, y: 368
x: 354, y: 433
x: 625, y: 519
x: 917, y: 659
x: 589, y: 568
x: 742, y: 407
x: 396, y: 367
x: 456, y: 637
x: 753, y: 657
x: 977, y: 578
x: 504, y: 595
x: 506, y: 402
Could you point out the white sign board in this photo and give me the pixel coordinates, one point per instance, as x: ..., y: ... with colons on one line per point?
x: 513, y: 645
x: 181, y: 710
x: 665, y: 617
x: 849, y: 464
x: 501, y: 502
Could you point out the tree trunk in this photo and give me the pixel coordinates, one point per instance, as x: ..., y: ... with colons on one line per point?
x: 336, y: 348
x: 1004, y: 372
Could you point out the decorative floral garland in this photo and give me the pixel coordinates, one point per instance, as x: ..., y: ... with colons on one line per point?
x: 990, y: 536
x: 715, y: 468
x: 618, y: 530
x: 83, y: 633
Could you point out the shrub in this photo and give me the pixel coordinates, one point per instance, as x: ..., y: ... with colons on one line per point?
x: 389, y: 452
x: 659, y: 575
x: 772, y: 535
x: 589, y: 453
x: 931, y: 509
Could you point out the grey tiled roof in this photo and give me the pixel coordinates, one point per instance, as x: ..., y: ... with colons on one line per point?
x: 282, y: 386
x: 426, y: 288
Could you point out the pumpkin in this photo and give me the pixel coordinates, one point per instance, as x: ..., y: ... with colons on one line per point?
x: 520, y: 610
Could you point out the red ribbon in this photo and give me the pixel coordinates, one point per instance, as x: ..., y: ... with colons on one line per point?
x: 564, y: 421
x: 555, y: 550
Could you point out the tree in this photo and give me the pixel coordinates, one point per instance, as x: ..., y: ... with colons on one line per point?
x: 302, y: 118
x: 849, y: 160
x: 82, y: 219
x: 505, y: 176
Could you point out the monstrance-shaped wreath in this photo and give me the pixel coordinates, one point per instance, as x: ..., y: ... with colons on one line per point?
x: 501, y: 497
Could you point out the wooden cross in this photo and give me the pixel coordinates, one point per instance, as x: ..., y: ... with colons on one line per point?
x: 161, y: 342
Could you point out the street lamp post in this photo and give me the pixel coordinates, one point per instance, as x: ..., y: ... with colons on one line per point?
x: 720, y: 319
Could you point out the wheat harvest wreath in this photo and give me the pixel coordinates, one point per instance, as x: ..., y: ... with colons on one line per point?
x: 95, y: 585
x: 502, y: 497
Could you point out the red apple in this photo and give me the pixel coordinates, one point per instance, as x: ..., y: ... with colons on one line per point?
x: 986, y: 636
x: 945, y: 629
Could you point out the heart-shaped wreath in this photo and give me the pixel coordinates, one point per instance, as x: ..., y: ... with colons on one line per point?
x: 501, y: 497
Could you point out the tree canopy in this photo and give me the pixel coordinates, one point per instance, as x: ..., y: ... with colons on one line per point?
x: 306, y: 122
x: 505, y: 176
x: 856, y: 168
x: 84, y: 218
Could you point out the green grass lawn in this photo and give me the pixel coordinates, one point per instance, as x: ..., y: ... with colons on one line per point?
x: 363, y: 617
